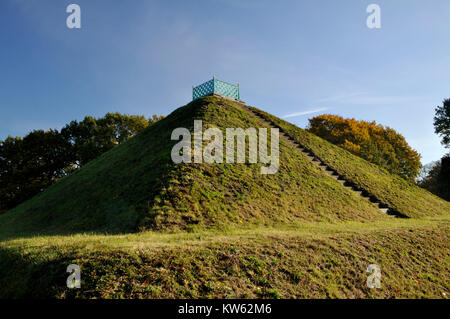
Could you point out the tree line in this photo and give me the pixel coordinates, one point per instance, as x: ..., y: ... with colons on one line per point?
x: 30, y: 164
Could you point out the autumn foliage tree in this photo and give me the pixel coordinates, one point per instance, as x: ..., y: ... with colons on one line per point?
x: 30, y: 164
x: 374, y: 142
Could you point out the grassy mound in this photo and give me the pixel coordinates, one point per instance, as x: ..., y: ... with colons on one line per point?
x: 398, y: 193
x: 294, y: 234
x: 136, y: 186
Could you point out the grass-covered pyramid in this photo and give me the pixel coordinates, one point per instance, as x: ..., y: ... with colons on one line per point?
x: 225, y: 230
x: 137, y: 186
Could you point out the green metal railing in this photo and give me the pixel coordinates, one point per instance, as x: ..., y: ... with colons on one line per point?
x: 215, y: 86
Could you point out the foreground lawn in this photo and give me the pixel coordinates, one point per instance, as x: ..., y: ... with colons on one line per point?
x: 310, y: 260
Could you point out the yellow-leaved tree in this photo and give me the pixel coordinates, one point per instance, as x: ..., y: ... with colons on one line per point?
x: 374, y: 142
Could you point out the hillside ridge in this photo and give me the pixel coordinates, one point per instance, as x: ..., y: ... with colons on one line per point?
x: 364, y: 193
x: 395, y: 193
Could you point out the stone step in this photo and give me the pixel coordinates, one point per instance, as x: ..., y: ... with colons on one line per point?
x: 348, y: 184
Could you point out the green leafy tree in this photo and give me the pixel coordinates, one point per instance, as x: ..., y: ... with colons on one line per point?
x: 437, y: 179
x: 31, y: 164
x: 92, y: 137
x: 442, y: 122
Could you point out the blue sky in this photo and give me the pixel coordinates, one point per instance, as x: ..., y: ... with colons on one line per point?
x: 295, y: 59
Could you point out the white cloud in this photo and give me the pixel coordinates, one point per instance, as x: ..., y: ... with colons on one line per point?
x: 305, y: 112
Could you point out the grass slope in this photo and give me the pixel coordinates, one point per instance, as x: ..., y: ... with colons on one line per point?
x: 136, y: 186
x: 315, y: 260
x: 398, y: 193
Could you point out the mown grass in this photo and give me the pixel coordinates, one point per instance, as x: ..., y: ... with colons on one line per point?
x: 403, y: 196
x: 313, y: 260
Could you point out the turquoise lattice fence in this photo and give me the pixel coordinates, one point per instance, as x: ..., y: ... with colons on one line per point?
x: 215, y: 86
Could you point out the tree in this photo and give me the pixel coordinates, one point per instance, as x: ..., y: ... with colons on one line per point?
x: 437, y: 178
x: 92, y: 137
x: 442, y: 122
x: 31, y: 164
x: 425, y: 171
x: 428, y: 176
x: 377, y: 144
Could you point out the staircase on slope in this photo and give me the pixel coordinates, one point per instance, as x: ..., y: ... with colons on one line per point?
x: 329, y: 170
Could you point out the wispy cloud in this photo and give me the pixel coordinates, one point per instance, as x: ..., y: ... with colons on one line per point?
x: 305, y: 112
